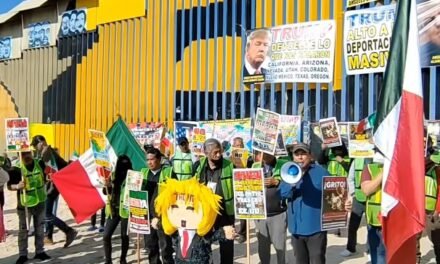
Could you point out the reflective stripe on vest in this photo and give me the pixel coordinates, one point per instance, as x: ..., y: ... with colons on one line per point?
x: 374, y: 201
x: 35, y: 186
x: 182, y: 165
x: 226, y: 183
x: 430, y: 190
x: 358, y: 168
x: 335, y: 168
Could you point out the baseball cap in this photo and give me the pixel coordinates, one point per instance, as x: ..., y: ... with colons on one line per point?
x: 300, y: 146
x: 37, y: 139
x: 182, y: 140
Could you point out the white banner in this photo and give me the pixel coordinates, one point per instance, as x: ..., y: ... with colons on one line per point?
x: 367, y: 39
x: 302, y: 52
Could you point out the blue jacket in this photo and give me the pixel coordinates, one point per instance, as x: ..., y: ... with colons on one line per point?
x: 304, y: 202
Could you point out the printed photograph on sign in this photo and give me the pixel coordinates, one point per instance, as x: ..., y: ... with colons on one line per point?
x: 226, y: 131
x: 17, y: 134
x: 302, y: 52
x: 334, y: 195
x: 330, y: 132
x: 249, y: 194
x: 73, y: 22
x: 184, y: 129
x: 100, y: 148
x: 265, y: 135
x: 147, y: 133
x: 257, y: 56
x: 5, y: 48
x: 367, y: 39
x: 360, y: 143
x: 198, y: 138
x: 428, y: 19
x: 39, y: 34
x: 433, y: 131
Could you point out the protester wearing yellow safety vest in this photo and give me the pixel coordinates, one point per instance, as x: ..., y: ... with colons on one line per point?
x: 30, y: 177
x: 371, y: 185
x: 216, y: 173
x: 157, y: 239
x: 338, y: 161
x: 356, y: 200
x: 183, y: 160
x: 432, y: 204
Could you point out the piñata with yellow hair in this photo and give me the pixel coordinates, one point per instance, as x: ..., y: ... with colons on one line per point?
x: 188, y: 211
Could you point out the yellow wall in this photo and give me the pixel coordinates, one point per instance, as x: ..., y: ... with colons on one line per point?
x: 104, y: 11
x: 7, y: 110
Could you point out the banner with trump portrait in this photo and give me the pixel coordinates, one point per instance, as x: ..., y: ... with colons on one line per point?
x: 302, y: 52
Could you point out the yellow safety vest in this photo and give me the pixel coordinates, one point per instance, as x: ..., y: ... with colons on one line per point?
x: 431, y: 190
x: 34, y: 187
x: 182, y: 165
x: 374, y: 201
x: 358, y: 168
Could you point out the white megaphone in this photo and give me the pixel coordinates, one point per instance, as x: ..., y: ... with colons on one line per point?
x: 291, y: 173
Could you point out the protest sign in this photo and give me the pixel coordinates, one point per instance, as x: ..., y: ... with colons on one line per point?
x: 433, y: 130
x: 330, y: 132
x: 289, y: 133
x: 139, y: 216
x: 265, y: 131
x: 133, y: 182
x: 227, y: 130
x: 428, y: 17
x: 198, y: 138
x: 302, y: 52
x: 239, y: 157
x: 184, y: 129
x: 334, y: 195
x: 17, y: 134
x: 360, y: 144
x: 249, y: 194
x: 367, y: 39
x: 351, y: 3
x: 147, y: 133
x: 100, y: 148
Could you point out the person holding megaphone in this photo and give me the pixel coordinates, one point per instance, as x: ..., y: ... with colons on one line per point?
x: 304, y: 207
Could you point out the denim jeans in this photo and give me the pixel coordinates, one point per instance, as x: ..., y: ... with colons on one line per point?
x: 52, y: 220
x: 376, y: 245
x: 358, y: 209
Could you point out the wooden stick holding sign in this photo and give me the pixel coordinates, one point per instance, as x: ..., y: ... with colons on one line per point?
x: 249, y: 198
x: 139, y: 216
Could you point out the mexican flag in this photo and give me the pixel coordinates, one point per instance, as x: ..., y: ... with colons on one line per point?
x: 79, y: 182
x: 399, y: 136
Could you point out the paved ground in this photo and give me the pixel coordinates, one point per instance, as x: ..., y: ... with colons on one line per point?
x: 88, y: 248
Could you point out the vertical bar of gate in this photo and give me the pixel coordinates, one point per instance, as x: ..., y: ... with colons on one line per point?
x: 233, y: 60
x: 199, y: 59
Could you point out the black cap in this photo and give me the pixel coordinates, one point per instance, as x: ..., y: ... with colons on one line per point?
x: 182, y: 140
x: 37, y: 139
x: 301, y: 146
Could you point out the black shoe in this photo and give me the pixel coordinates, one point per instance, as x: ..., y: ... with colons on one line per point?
x: 241, y: 239
x: 123, y: 261
x: 22, y: 260
x: 42, y: 256
x: 70, y: 236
